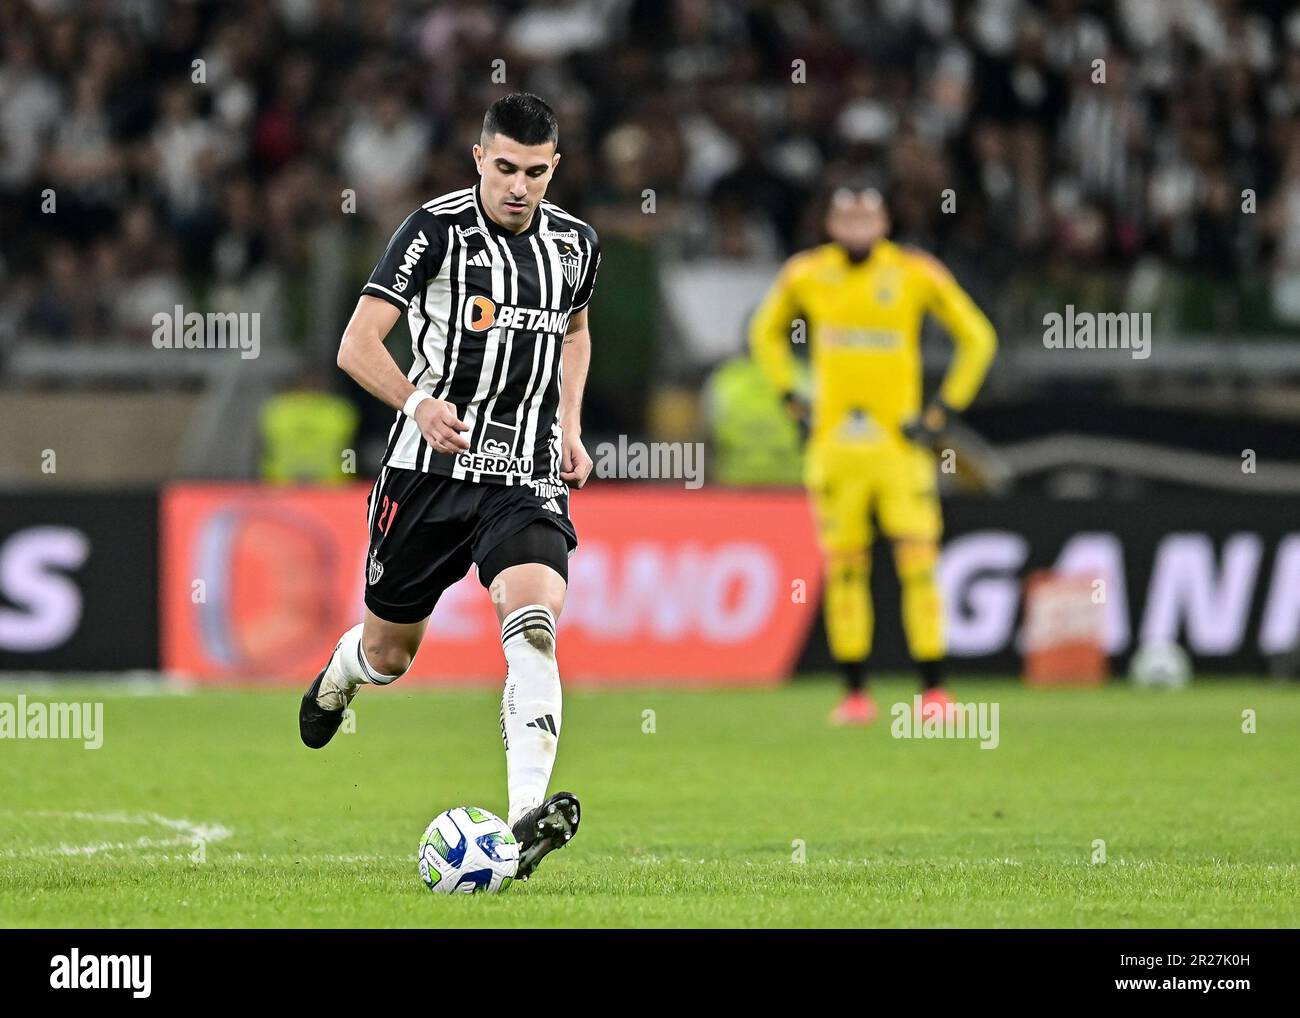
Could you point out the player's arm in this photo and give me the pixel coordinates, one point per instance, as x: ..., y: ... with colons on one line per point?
x: 412, y: 258
x: 769, y: 342
x: 974, y: 342
x: 362, y: 355
x: 575, y: 359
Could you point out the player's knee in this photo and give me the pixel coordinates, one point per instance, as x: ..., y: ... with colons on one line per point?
x: 847, y: 561
x: 388, y: 661
x: 915, y: 558
x: 549, y: 596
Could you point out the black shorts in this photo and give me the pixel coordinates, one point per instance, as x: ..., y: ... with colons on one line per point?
x: 426, y: 530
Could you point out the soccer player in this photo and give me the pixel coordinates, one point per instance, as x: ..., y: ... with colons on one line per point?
x: 494, y: 282
x: 862, y: 299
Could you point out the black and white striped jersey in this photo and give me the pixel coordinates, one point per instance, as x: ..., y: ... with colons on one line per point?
x: 488, y: 310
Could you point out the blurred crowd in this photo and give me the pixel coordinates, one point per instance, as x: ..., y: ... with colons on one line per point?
x: 258, y: 154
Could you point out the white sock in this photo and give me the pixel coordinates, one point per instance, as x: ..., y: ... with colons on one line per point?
x: 530, y: 705
x: 344, y: 670
x: 348, y: 668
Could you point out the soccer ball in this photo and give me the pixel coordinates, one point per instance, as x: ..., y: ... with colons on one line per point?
x: 468, y: 849
x: 1163, y: 665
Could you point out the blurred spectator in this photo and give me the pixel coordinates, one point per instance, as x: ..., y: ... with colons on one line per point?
x: 184, y: 152
x: 206, y: 151
x: 307, y: 435
x: 384, y: 150
x: 30, y: 107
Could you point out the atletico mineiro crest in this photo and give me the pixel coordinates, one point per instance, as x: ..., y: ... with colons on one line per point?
x: 569, y: 260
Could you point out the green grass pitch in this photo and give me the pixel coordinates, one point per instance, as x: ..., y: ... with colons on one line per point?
x: 699, y: 822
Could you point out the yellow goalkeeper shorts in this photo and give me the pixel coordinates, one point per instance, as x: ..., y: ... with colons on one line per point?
x: 892, y: 480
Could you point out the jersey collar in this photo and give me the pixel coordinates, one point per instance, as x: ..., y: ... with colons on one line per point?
x: 879, y: 248
x: 499, y: 230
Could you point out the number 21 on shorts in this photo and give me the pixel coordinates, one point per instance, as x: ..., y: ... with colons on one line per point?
x: 388, y: 509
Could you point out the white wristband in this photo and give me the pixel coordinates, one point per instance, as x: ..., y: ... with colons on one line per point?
x: 413, y: 401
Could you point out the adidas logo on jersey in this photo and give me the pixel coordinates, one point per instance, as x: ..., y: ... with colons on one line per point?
x: 482, y: 260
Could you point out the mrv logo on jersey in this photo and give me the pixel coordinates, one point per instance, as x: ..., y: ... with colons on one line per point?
x: 75, y: 971
x: 482, y: 313
x: 418, y: 245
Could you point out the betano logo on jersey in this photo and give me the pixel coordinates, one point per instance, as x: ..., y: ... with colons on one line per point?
x: 482, y: 313
x: 854, y: 338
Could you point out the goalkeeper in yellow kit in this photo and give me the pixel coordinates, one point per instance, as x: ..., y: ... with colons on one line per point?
x: 859, y: 301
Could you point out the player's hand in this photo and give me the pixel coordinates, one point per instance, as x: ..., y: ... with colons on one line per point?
x: 928, y: 427
x: 575, y: 466
x: 797, y: 407
x: 440, y: 426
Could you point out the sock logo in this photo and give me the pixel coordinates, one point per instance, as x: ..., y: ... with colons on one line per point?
x: 546, y: 723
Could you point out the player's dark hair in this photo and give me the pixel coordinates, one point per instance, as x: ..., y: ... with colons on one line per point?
x: 860, y: 181
x: 523, y: 117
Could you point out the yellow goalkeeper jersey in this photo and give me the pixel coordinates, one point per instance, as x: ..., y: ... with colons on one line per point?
x: 863, y: 324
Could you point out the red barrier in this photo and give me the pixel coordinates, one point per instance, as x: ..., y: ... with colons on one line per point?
x: 667, y: 586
